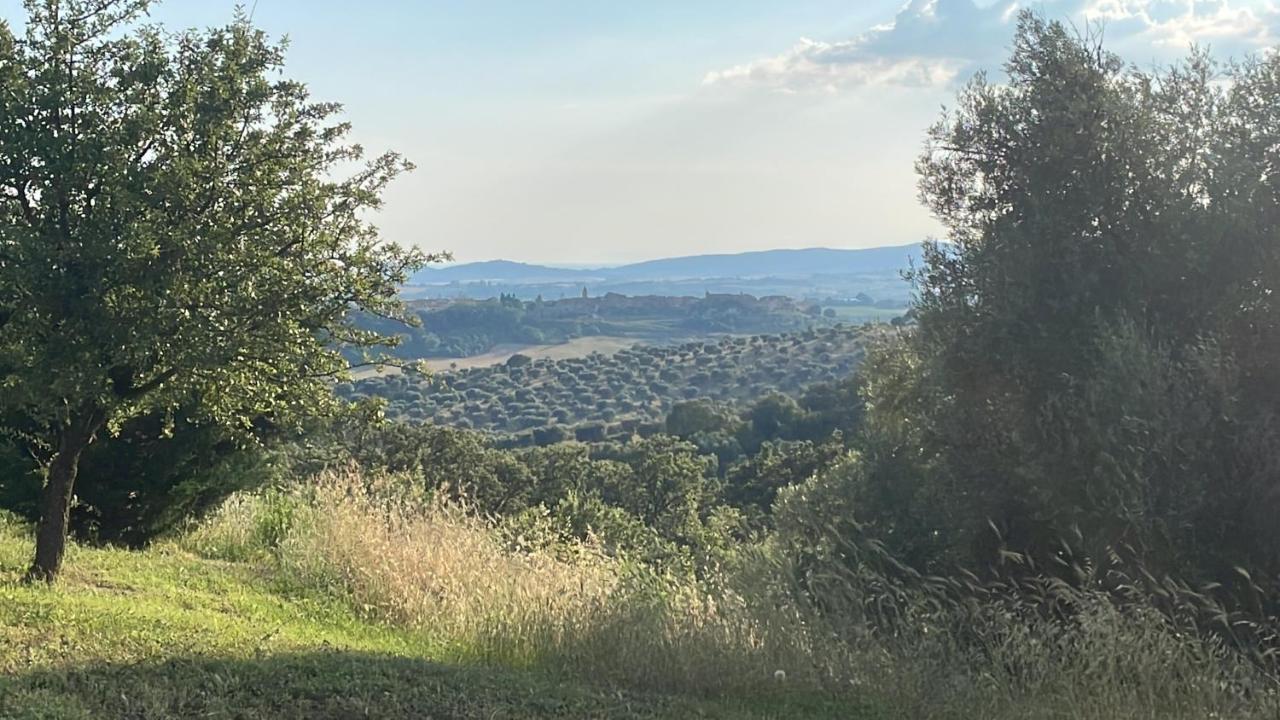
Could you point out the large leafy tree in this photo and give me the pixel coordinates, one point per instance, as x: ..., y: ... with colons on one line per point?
x: 1096, y: 366
x: 179, y: 227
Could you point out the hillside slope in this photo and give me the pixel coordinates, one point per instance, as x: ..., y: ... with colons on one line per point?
x: 163, y: 634
x: 807, y: 261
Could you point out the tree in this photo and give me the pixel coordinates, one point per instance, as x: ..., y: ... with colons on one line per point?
x: 1095, y: 360
x: 668, y: 486
x: 158, y: 470
x: 691, y: 417
x: 172, y: 234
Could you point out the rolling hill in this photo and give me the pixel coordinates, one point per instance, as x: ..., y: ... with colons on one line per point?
x: 767, y: 263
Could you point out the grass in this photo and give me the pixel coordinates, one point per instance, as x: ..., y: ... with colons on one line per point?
x: 425, y: 567
x: 351, y: 597
x: 167, y: 634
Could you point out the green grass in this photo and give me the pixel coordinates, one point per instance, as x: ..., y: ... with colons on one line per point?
x: 164, y: 634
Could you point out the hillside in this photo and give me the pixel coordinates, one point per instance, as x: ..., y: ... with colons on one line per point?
x: 498, y: 270
x: 764, y: 263
x: 771, y: 263
x: 165, y: 634
x: 628, y: 392
x: 813, y: 273
x: 464, y: 328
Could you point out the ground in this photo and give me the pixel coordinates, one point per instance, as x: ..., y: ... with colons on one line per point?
x: 163, y: 634
x: 865, y: 313
x: 578, y: 347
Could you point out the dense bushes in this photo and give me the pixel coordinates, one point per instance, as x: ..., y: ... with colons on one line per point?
x: 677, y: 502
x: 863, y: 637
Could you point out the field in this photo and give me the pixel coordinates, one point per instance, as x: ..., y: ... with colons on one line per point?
x: 600, y: 395
x: 864, y: 313
x: 465, y: 328
x: 166, y: 634
x: 575, y: 348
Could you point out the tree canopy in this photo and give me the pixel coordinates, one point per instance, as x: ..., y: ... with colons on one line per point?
x: 1096, y: 366
x: 179, y: 227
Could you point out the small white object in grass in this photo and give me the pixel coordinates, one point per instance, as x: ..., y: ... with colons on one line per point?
x: 780, y: 675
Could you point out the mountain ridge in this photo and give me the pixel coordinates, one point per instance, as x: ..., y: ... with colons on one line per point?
x: 757, y: 263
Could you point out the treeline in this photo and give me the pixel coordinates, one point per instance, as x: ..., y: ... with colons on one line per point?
x: 721, y: 426
x: 464, y: 328
x: 680, y: 497
x: 538, y: 402
x: 684, y: 499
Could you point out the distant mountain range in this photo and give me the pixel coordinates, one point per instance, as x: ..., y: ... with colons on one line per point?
x: 762, y: 264
x: 874, y: 275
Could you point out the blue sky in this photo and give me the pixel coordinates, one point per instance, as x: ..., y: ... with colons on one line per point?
x: 595, y: 131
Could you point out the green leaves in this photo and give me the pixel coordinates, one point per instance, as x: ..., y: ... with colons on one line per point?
x: 177, y: 224
x: 1098, y: 345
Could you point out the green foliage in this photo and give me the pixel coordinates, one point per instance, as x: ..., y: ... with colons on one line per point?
x: 184, y: 199
x: 753, y: 483
x: 659, y: 500
x: 699, y: 416
x: 175, y: 233
x: 1093, y: 378
x: 643, y: 384
x: 144, y: 481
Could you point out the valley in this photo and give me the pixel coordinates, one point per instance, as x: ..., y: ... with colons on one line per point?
x: 542, y: 399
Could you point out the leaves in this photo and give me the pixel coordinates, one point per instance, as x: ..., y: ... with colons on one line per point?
x: 175, y: 225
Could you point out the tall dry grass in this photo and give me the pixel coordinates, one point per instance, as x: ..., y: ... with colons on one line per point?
x: 1106, y: 662
x: 428, y: 567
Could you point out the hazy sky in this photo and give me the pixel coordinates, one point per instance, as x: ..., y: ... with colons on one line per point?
x: 608, y: 130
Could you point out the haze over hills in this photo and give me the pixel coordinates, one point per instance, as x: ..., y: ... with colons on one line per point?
x: 806, y: 273
x: 766, y: 263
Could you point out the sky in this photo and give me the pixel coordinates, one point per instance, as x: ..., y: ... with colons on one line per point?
x: 608, y: 131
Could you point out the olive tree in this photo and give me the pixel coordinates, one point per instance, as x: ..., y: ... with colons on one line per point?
x: 179, y: 225
x: 1095, y: 363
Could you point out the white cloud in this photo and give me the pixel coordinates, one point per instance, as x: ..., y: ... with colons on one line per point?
x: 812, y: 64
x: 934, y: 42
x: 1177, y: 24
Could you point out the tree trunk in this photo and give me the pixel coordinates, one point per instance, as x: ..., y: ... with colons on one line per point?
x: 55, y: 502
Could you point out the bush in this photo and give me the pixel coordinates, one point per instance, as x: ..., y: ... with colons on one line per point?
x: 142, y: 482
x: 592, y: 432
x: 247, y: 526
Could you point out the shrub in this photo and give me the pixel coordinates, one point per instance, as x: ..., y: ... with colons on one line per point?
x: 248, y: 526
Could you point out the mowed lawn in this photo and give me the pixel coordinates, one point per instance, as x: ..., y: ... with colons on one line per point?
x: 164, y: 634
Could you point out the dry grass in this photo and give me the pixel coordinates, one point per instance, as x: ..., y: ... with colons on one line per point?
x: 433, y: 568
x: 1108, y: 663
